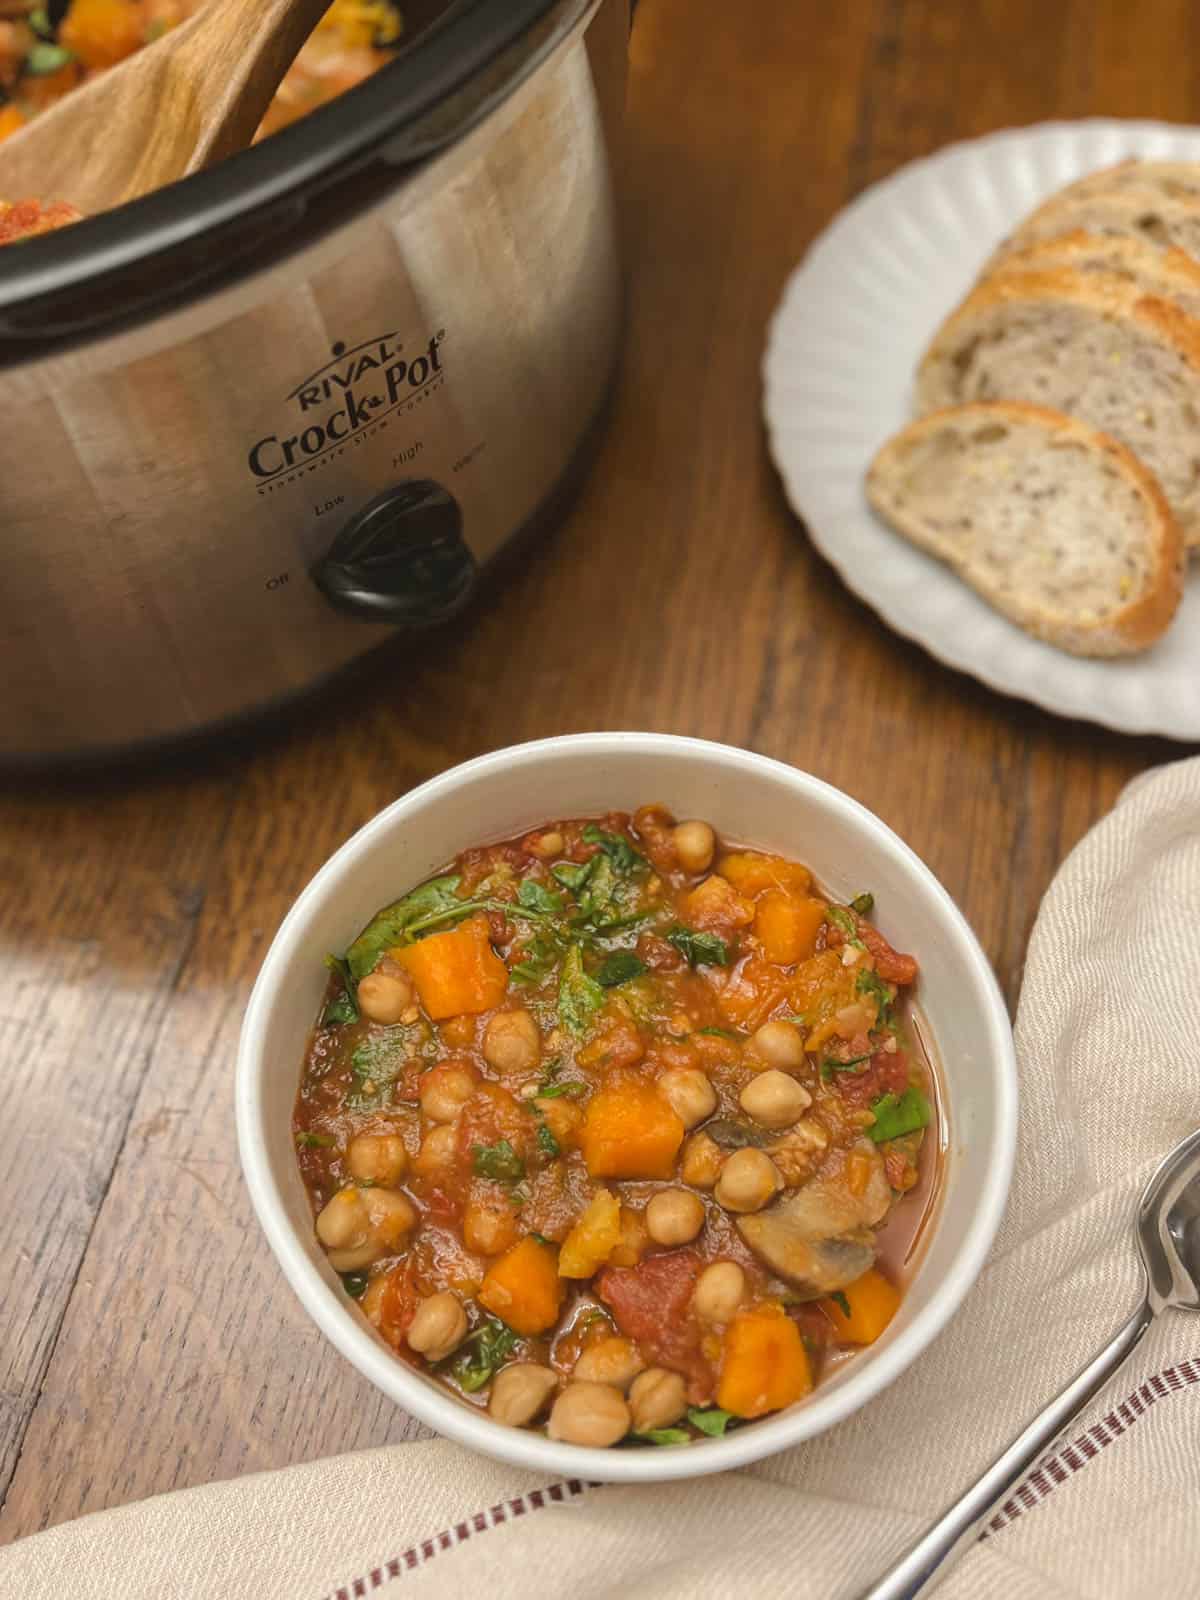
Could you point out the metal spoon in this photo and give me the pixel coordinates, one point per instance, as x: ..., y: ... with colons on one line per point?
x: 1168, y: 1236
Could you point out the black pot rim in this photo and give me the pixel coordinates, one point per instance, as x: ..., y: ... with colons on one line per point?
x: 52, y: 286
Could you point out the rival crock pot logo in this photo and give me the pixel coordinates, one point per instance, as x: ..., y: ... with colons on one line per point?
x: 344, y: 401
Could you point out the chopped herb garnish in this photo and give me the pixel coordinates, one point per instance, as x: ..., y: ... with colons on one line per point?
x: 831, y: 1064
x: 666, y: 1436
x: 719, y: 1033
x: 44, y: 58
x: 538, y: 958
x: 863, y: 904
x: 475, y: 1361
x: 699, y: 949
x: 620, y: 967
x: 579, y: 996
x: 535, y: 896
x: 539, y: 1237
x: 547, y: 1143
x: 498, y: 1161
x: 839, y: 1299
x: 710, y: 1420
x: 553, y: 1090
x: 391, y: 925
x: 376, y: 1064
x: 898, y: 1114
x: 842, y: 919
x: 315, y: 1141
x: 344, y: 1005
x: 617, y: 848
x: 355, y: 1284
x: 872, y: 985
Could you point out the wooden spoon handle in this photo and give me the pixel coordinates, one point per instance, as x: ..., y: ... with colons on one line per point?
x: 223, y: 71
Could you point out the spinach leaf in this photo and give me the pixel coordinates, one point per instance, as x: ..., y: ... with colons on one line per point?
x: 873, y: 986
x: 476, y: 1360
x: 898, y: 1114
x: 355, y: 1284
x: 839, y: 1299
x: 499, y: 1161
x: 534, y: 896
x: 616, y: 847
x: 620, y: 967
x: 573, y: 875
x: 538, y: 958
x: 389, y: 926
x: 344, y: 1006
x: 710, y: 1420
x: 598, y: 892
x: 719, y: 1033
x: 700, y: 949
x: 315, y: 1141
x: 547, y: 1143
x: 831, y: 1064
x: 578, y: 995
x: 863, y: 904
x: 666, y: 1436
x: 842, y: 919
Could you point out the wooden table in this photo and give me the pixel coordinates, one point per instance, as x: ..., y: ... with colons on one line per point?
x: 147, y: 1341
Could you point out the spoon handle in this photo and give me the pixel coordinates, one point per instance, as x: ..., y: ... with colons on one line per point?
x: 927, y: 1561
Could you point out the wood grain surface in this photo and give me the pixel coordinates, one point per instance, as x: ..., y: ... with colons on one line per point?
x: 147, y: 1340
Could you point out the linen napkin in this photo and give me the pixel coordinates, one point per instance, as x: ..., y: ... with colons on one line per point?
x: 1107, y: 1041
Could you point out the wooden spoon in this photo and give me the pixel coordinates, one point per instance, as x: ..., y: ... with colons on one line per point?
x: 193, y: 97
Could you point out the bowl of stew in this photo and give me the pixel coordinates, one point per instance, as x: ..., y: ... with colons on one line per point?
x: 627, y: 1105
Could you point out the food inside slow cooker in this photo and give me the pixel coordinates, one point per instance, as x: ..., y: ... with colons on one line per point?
x: 50, y: 47
x: 619, y: 1130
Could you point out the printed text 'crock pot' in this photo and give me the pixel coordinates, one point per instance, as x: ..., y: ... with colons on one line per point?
x: 254, y: 422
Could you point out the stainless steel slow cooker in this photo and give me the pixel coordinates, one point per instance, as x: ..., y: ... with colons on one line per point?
x: 255, y: 422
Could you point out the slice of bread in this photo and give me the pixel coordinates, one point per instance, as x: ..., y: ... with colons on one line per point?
x: 1055, y: 524
x: 1169, y: 273
x: 1089, y: 344
x: 1167, y: 180
x: 1131, y: 211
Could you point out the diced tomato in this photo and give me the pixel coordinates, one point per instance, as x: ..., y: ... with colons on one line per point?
x: 492, y: 1114
x: 651, y: 1304
x: 885, y: 1073
x: 889, y: 963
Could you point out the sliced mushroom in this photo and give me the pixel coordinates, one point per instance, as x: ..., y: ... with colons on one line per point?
x: 732, y: 1135
x: 819, y: 1237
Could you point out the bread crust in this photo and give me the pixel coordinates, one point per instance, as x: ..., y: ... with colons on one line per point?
x: 1136, y: 626
x: 1104, y: 293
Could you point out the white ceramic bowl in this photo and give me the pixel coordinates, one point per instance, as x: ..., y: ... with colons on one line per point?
x: 750, y: 799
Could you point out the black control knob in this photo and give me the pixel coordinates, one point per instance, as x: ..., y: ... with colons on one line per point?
x: 401, y: 559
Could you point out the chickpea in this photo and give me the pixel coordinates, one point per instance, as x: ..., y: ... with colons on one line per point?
x: 384, y: 996
x: 377, y: 1158
x: 674, y: 1216
x: 748, y: 1180
x: 512, y: 1042
x: 612, y: 1361
x: 657, y: 1399
x: 458, y: 1033
x: 438, y: 1327
x: 489, y: 1227
x: 439, y: 1150
x: 695, y: 843
x: 357, y: 1226
x: 546, y: 845
x: 774, y: 1099
x: 701, y: 1164
x: 689, y: 1094
x: 445, y: 1090
x: 778, y: 1044
x: 564, y: 1119
x: 589, y: 1414
x: 519, y: 1392
x: 720, y: 1290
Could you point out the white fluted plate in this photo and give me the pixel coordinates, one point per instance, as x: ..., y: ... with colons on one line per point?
x: 843, y: 345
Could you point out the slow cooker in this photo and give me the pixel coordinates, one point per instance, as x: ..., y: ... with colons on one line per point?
x: 254, y: 423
